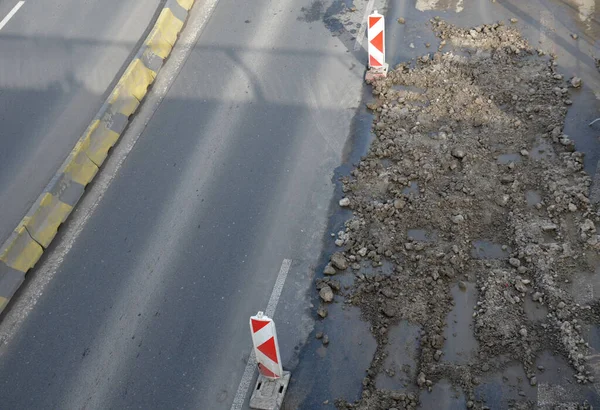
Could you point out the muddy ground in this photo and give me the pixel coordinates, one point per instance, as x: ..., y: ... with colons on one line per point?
x: 471, y: 203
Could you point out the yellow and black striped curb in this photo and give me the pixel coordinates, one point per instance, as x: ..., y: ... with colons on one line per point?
x: 34, y: 233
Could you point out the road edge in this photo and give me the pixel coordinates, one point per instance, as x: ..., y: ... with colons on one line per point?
x: 32, y: 236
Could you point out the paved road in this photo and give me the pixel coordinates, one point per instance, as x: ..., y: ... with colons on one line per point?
x: 231, y: 176
x: 58, y: 59
x: 227, y: 172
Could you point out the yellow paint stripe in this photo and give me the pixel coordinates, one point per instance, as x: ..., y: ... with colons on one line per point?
x: 169, y: 26
x: 43, y: 223
x: 21, y: 252
x: 101, y: 139
x: 79, y: 167
x: 186, y: 4
x: 158, y: 44
x: 136, y: 79
x: 3, y: 303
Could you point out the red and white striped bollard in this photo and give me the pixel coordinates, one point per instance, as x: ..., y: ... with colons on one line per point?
x: 377, y: 67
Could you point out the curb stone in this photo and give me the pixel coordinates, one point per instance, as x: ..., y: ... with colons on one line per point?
x: 25, y: 246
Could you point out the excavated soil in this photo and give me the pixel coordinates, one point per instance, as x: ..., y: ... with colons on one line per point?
x: 469, y: 183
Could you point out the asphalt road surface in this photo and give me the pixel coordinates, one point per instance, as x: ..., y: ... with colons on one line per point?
x: 58, y: 58
x: 231, y: 176
x: 224, y: 182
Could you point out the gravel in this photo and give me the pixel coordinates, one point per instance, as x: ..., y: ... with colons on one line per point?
x: 441, y: 123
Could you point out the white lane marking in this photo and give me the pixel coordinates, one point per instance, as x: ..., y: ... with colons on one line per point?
x: 363, y: 26
x: 11, y: 14
x: 242, y: 391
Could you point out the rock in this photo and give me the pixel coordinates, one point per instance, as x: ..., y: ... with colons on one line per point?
x: 576, y: 82
x: 462, y: 285
x: 513, y: 20
x: 329, y: 270
x: 524, y: 153
x: 470, y: 404
x: 549, y: 227
x: 339, y: 261
x: 421, y: 379
x: 575, y: 36
x: 485, y: 367
x: 572, y: 207
x: 514, y: 262
x: 520, y: 286
x: 437, y: 355
x: 326, y: 294
x: 388, y: 293
x: 325, y: 340
x: 473, y: 33
x: 401, y: 20
x: 523, y: 332
x: 458, y: 219
x: 541, y: 368
x: 362, y: 252
x: 399, y: 203
x: 459, y: 153
x: 319, y: 335
x: 334, y: 285
x: 561, y: 305
x: 345, y: 202
x: 339, y: 242
x: 388, y: 311
x: 397, y: 396
x: 537, y: 296
x: 533, y: 381
x: 437, y: 341
x: 322, y: 312
x: 411, y: 45
x: 588, y: 226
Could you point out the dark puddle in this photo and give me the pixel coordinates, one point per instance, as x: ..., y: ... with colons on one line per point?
x: 413, y: 188
x: 460, y: 342
x: 443, y: 397
x: 557, y: 386
x: 483, y: 249
x: 386, y: 268
x: 335, y: 370
x: 400, y: 365
x: 585, y: 286
x: 532, y: 198
x: 543, y: 150
x: 534, y: 310
x: 421, y: 235
x: 500, y: 388
x: 508, y: 158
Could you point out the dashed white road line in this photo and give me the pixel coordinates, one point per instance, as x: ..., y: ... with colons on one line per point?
x: 11, y: 14
x: 363, y: 26
x: 242, y: 391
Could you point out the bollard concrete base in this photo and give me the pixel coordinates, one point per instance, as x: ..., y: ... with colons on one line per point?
x: 375, y: 73
x: 268, y: 394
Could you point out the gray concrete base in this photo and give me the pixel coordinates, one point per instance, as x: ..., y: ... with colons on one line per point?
x: 374, y: 73
x: 268, y: 394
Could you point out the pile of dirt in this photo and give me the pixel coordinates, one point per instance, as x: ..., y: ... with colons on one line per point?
x: 469, y: 147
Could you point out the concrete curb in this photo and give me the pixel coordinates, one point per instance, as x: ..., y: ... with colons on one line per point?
x: 37, y: 229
